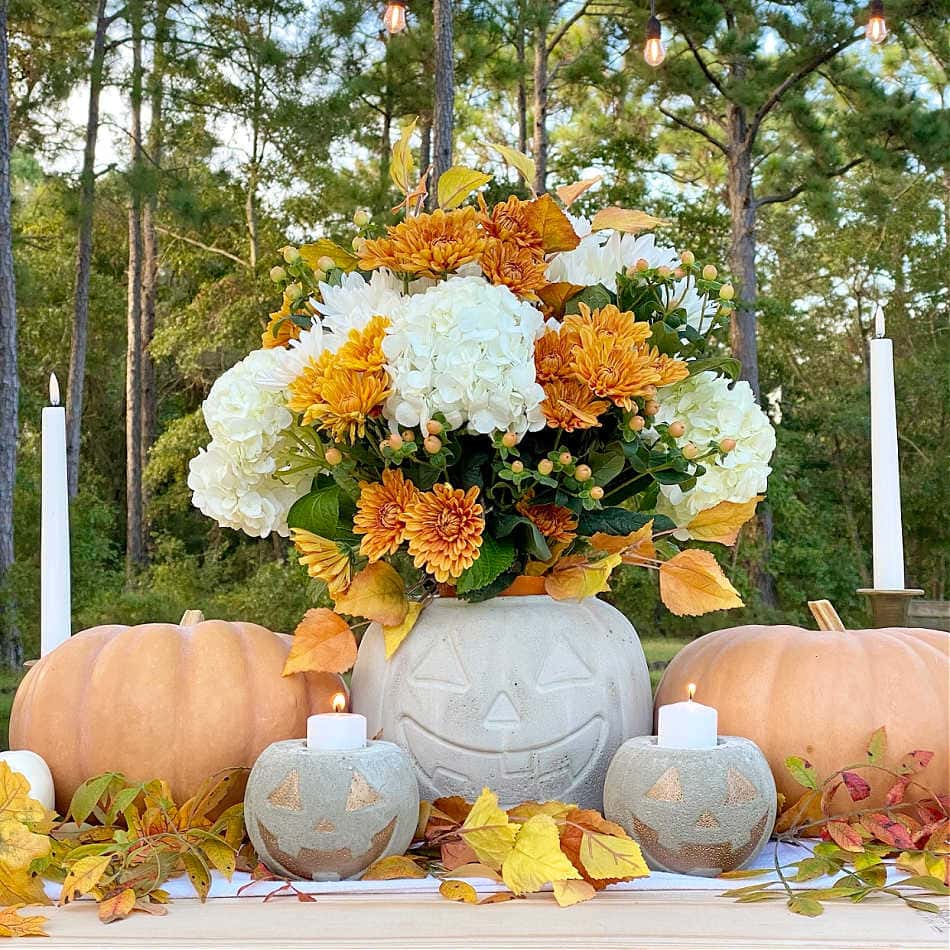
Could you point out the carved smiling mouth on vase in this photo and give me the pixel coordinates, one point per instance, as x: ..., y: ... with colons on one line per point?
x: 552, y: 769
x: 313, y: 864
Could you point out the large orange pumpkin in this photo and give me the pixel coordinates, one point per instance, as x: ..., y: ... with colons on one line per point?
x: 822, y: 693
x: 160, y: 700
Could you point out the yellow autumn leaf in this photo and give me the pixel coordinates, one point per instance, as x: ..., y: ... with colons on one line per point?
x: 527, y: 810
x: 572, y: 892
x: 633, y: 548
x: 722, y: 522
x: 117, y: 907
x: 536, y: 858
x: 394, y: 636
x: 517, y: 160
x: 574, y: 578
x: 458, y: 891
x: 342, y: 258
x: 457, y: 183
x: 19, y: 846
x: 84, y: 876
x: 487, y: 830
x: 570, y: 193
x: 394, y: 867
x: 403, y: 164
x: 13, y: 925
x: 551, y: 223
x: 620, y: 219
x: 376, y: 593
x: 692, y: 583
x: 608, y: 856
x: 323, y: 642
x: 555, y: 296
x: 15, y: 801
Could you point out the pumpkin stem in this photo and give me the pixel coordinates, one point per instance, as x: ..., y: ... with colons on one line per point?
x: 825, y: 614
x: 190, y: 617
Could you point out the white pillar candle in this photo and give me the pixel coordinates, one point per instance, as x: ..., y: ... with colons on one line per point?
x: 687, y: 725
x: 54, y: 531
x: 888, y: 543
x: 337, y: 731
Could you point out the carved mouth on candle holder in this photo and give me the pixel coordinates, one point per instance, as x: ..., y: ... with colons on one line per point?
x: 315, y: 864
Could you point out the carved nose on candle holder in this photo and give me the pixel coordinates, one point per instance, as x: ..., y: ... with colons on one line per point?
x: 889, y: 607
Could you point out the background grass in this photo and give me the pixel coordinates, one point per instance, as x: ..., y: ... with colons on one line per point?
x: 659, y: 651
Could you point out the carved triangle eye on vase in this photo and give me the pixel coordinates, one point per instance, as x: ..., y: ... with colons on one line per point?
x: 667, y: 787
x: 740, y: 791
x: 361, y: 794
x: 287, y: 794
x: 502, y: 714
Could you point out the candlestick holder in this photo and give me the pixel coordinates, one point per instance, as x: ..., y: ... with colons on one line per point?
x: 693, y: 811
x: 328, y: 815
x: 889, y: 607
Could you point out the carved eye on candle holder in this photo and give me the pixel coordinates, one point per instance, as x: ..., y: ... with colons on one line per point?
x: 694, y: 811
x: 328, y: 815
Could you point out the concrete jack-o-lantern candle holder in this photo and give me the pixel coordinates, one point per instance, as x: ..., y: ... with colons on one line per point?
x: 326, y: 816
x: 693, y: 811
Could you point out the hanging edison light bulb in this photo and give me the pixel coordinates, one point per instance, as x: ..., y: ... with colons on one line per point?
x: 394, y: 19
x: 653, y: 51
x: 876, y: 29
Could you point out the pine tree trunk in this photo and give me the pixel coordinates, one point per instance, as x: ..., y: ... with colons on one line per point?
x: 11, y: 648
x: 87, y: 194
x: 425, y: 142
x: 540, y: 148
x: 444, y: 111
x: 135, y: 521
x: 250, y: 215
x: 522, y: 98
x: 742, y: 248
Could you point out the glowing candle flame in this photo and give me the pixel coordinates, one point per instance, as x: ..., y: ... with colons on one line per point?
x: 394, y: 19
x: 53, y: 390
x: 691, y: 690
x: 339, y: 702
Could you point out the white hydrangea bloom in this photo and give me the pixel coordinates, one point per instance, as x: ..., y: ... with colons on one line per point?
x: 355, y: 302
x: 465, y: 348
x: 234, y: 481
x: 292, y: 360
x: 700, y: 309
x: 712, y: 410
x: 602, y: 254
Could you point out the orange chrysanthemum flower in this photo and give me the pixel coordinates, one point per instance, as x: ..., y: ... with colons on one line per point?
x: 324, y: 559
x: 614, y: 372
x: 521, y: 269
x: 554, y: 355
x: 508, y: 222
x: 670, y: 369
x: 555, y: 522
x: 427, y: 245
x: 381, y: 513
x: 281, y: 329
x: 619, y: 325
x: 363, y: 349
x: 570, y: 405
x: 444, y: 530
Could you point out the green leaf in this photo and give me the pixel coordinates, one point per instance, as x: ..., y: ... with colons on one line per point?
x: 866, y: 859
x: 927, y: 882
x: 500, y: 583
x: 198, y: 873
x: 723, y: 365
x: 802, y: 771
x: 927, y: 906
x: 811, y: 868
x: 875, y: 876
x: 807, y: 906
x: 88, y: 794
x: 619, y: 521
x: 607, y: 465
x: 494, y: 558
x: 877, y: 746
x: 320, y: 511
x: 665, y: 339
x: 504, y: 524
x: 595, y: 297
x: 534, y: 542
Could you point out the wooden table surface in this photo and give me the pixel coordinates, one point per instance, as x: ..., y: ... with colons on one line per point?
x: 692, y: 920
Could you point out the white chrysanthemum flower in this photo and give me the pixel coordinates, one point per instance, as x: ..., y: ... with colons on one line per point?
x: 235, y: 480
x: 700, y: 309
x: 712, y: 410
x: 293, y: 359
x: 465, y: 348
x: 601, y: 255
x: 355, y: 302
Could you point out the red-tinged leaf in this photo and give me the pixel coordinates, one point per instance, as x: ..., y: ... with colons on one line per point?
x: 915, y: 761
x: 930, y: 835
x: 844, y: 836
x: 858, y: 788
x: 886, y: 829
x: 895, y: 794
x: 306, y: 898
x: 877, y: 746
x: 827, y: 797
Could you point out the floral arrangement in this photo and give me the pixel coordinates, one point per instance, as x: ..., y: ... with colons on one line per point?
x: 480, y: 393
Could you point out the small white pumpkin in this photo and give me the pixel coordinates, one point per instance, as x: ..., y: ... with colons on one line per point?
x: 34, y: 769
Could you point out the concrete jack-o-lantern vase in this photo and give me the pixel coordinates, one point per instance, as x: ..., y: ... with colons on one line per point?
x: 527, y: 695
x: 693, y: 811
x: 326, y: 816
